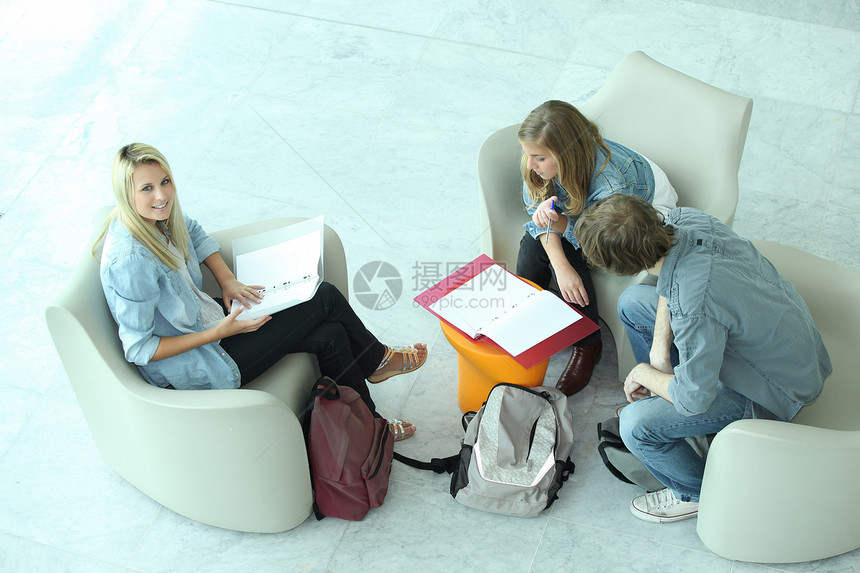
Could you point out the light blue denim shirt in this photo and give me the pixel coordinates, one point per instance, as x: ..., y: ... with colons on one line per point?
x: 627, y: 172
x: 149, y: 300
x: 736, y: 320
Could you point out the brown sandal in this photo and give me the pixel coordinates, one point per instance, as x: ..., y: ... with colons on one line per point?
x: 410, y: 363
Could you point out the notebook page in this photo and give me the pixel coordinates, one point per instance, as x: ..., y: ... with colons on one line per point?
x: 483, y: 298
x: 533, y: 321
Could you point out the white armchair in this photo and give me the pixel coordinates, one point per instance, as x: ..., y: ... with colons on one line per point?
x: 777, y: 492
x: 231, y: 458
x: 693, y: 131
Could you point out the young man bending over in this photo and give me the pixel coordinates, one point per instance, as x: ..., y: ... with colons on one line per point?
x: 722, y: 337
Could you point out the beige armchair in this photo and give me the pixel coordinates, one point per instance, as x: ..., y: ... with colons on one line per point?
x: 694, y: 131
x: 776, y: 492
x: 231, y: 458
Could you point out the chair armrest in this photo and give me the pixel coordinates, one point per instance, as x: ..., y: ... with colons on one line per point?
x: 231, y: 458
x: 779, y: 492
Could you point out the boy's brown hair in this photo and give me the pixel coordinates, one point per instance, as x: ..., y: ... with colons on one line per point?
x: 623, y: 234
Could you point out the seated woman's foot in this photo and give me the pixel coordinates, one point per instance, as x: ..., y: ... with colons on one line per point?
x: 577, y: 373
x: 399, y: 360
x: 401, y: 429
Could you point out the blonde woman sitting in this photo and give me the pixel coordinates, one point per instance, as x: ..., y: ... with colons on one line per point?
x: 180, y: 337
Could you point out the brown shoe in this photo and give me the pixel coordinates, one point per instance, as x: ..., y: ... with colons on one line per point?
x: 578, y: 371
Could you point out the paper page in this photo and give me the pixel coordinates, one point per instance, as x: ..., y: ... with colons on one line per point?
x: 279, y: 299
x: 535, y: 320
x: 483, y: 298
x: 277, y: 265
x: 287, y: 262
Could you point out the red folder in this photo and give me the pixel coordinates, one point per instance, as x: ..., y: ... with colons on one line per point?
x: 537, y: 353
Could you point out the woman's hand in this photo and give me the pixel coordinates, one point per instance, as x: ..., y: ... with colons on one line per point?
x: 232, y: 290
x: 230, y: 326
x: 169, y: 346
x: 543, y: 215
x: 571, y: 286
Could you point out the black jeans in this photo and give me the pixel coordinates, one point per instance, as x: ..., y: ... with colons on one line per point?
x: 533, y: 264
x: 325, y: 326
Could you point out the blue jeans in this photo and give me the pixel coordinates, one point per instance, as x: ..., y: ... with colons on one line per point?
x: 652, y: 429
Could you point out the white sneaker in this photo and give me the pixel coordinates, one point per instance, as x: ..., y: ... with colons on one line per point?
x: 663, y: 507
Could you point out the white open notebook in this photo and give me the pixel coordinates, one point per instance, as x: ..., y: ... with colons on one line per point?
x: 506, y: 309
x: 287, y: 262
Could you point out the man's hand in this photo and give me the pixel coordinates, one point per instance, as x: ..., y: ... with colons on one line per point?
x: 632, y: 388
x: 644, y: 378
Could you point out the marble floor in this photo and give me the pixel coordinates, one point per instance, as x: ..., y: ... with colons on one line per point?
x: 372, y: 114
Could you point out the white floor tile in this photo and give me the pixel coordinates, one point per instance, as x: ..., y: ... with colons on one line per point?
x: 574, y: 547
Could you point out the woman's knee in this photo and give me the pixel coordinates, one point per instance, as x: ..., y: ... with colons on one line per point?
x: 330, y: 295
x: 326, y: 289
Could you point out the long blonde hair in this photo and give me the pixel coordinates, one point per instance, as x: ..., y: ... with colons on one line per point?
x: 127, y: 159
x: 572, y: 140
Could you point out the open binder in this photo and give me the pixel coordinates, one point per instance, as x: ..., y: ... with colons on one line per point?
x: 486, y: 302
x: 287, y: 262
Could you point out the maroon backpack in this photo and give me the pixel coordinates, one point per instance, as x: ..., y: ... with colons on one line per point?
x: 350, y: 452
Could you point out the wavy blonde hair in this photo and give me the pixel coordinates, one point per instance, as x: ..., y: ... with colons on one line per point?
x: 127, y: 159
x: 572, y: 140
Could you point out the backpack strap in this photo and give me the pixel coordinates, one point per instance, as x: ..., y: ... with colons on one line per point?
x: 438, y: 465
x: 608, y: 436
x: 326, y: 388
x: 601, y: 449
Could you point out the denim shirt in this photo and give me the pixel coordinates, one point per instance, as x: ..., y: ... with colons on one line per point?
x: 627, y: 172
x: 149, y: 300
x: 736, y: 320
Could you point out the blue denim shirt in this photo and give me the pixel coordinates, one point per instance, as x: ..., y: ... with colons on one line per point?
x: 149, y: 300
x: 627, y: 172
x: 736, y: 320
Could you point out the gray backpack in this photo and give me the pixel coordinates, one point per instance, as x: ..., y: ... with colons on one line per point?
x: 516, y: 452
x: 627, y: 467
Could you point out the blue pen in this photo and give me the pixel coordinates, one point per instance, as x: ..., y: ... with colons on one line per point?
x: 549, y: 221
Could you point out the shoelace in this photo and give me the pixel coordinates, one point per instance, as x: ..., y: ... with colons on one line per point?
x: 662, y: 499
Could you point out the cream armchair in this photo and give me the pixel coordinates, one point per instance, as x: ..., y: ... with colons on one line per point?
x: 231, y: 458
x: 694, y: 131
x: 775, y: 492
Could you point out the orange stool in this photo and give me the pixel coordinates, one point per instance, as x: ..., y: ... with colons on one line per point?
x: 482, y: 366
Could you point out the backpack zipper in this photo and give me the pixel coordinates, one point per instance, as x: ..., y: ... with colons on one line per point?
x: 544, y: 394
